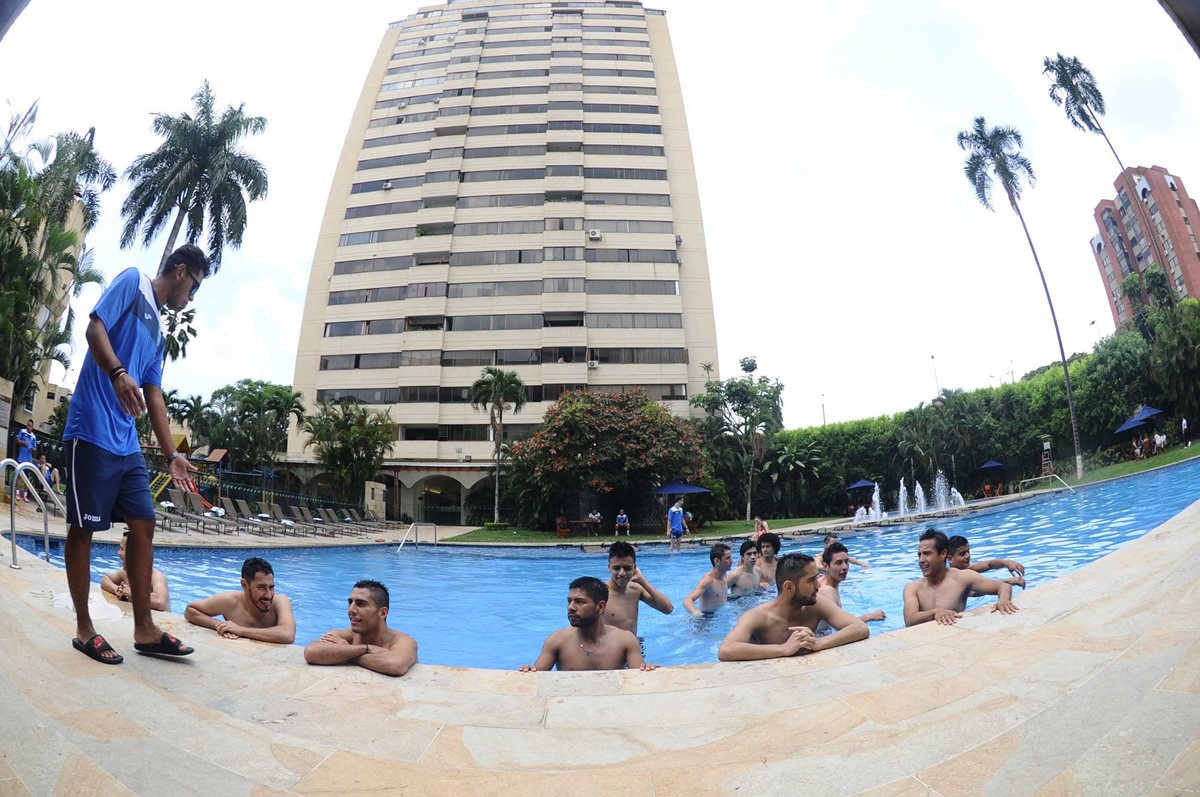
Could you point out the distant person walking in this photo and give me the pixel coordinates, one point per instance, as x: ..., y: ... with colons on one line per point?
x: 1187, y: 434
x: 120, y: 380
x: 676, y: 526
x: 27, y: 443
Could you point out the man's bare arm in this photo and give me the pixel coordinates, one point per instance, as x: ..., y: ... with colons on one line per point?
x: 160, y: 593
x: 633, y: 654
x: 547, y: 658
x: 651, y: 596
x: 983, y: 585
x: 205, y: 611
x: 128, y: 395
x: 284, y: 630
x: 333, y: 648
x: 913, y: 614
x: 110, y: 584
x: 395, y: 660
x: 859, y: 562
x: 996, y: 564
x: 849, y: 628
x: 737, y: 645
x: 689, y: 602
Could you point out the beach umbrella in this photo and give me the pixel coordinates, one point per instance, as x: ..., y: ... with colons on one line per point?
x: 991, y: 463
x: 680, y: 488
x: 1145, y: 413
x: 1132, y: 423
x: 861, y: 484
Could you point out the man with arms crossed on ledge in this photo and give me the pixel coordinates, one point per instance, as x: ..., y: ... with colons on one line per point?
x: 117, y: 582
x: 121, y: 379
x: 960, y: 559
x: 627, y: 588
x: 785, y: 626
x: 744, y: 577
x: 837, y: 567
x: 712, y: 590
x: 590, y: 643
x: 254, y: 613
x: 941, y: 594
x: 368, y: 642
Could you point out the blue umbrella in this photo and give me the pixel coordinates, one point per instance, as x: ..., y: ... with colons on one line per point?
x: 991, y: 463
x: 861, y: 484
x: 1132, y: 423
x: 1145, y: 413
x: 680, y: 488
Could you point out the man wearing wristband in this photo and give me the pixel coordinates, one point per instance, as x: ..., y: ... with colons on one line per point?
x: 121, y: 379
x: 368, y: 642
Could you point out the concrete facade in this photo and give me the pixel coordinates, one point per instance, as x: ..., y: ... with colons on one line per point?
x: 516, y: 189
x: 1120, y: 247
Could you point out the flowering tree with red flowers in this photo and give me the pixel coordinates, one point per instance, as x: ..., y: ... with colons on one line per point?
x: 612, y: 446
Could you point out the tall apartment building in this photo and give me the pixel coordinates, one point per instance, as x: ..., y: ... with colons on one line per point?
x: 516, y: 189
x: 1122, y: 248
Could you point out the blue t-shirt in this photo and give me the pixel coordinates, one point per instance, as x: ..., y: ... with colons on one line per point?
x: 25, y: 452
x: 622, y: 519
x: 129, y: 313
x: 675, y: 518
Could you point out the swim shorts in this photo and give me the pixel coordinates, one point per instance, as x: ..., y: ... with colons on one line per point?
x: 105, y: 488
x: 676, y: 534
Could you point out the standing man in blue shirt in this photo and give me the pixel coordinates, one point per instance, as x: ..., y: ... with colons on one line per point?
x: 120, y: 380
x: 27, y: 443
x: 676, y: 526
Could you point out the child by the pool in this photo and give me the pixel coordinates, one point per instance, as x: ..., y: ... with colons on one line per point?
x: 786, y: 625
x: 942, y: 591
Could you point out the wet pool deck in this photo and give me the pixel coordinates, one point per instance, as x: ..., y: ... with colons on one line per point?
x: 1093, y: 688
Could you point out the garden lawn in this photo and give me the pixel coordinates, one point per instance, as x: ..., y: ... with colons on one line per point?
x: 1168, y: 457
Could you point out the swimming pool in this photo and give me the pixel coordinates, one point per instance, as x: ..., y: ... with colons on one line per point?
x: 492, y: 608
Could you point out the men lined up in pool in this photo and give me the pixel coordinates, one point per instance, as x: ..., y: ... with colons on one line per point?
x: 256, y: 612
x: 117, y: 583
x: 589, y: 643
x: 744, y: 578
x: 837, y: 567
x: 830, y: 539
x: 712, y: 590
x: 628, y: 588
x: 768, y: 546
x: 941, y: 593
x: 960, y: 559
x: 368, y: 642
x: 786, y: 626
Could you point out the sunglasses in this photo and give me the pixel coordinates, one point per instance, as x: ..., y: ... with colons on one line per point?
x: 195, y: 286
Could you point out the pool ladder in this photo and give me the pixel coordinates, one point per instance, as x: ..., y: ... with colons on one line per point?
x: 414, y: 528
x: 22, y: 471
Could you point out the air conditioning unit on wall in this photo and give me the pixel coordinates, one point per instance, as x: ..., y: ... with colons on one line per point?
x: 593, y: 363
x: 595, y: 235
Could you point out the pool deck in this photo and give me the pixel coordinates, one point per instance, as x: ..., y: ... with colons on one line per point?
x: 1093, y: 688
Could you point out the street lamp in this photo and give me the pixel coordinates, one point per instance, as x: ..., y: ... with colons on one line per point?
x: 933, y: 362
x: 822, y: 409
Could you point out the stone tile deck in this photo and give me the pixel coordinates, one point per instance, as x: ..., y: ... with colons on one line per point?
x: 1093, y: 688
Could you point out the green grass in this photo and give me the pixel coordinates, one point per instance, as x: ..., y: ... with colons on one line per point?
x: 721, y: 528
x: 1168, y: 457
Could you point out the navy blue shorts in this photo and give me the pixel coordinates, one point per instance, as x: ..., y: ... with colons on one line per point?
x: 105, y: 488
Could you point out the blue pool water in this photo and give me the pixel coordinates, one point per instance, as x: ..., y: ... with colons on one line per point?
x: 492, y: 608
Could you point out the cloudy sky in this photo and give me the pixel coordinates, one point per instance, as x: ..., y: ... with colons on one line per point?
x: 845, y: 245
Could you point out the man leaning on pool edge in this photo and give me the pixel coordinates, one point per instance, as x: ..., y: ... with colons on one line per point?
x: 368, y: 642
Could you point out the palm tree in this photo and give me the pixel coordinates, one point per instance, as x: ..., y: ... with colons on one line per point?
x: 997, y: 151
x: 351, y: 442
x: 1074, y: 89
x: 494, y: 391
x: 191, y: 411
x: 198, y: 174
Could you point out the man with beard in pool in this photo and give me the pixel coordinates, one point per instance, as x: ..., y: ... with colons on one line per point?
x: 368, y: 642
x: 590, y: 643
x: 941, y: 593
x: 254, y: 613
x: 785, y: 626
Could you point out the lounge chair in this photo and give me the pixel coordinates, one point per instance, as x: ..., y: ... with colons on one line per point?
x: 340, y: 517
x: 368, y: 524
x: 299, y: 525
x: 186, y: 510
x: 375, y: 518
x: 247, y: 521
x: 244, y: 511
x: 334, y: 525
x: 223, y: 525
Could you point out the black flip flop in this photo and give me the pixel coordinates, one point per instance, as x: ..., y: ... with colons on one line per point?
x: 167, y: 647
x: 94, y: 649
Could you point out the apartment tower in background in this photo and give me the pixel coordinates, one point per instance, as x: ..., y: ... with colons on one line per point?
x: 1121, y: 247
x: 516, y: 189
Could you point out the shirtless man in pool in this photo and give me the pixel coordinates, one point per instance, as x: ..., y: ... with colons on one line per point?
x: 628, y: 588
x: 941, y: 593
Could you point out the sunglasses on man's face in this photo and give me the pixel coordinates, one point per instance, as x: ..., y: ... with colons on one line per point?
x: 195, y: 286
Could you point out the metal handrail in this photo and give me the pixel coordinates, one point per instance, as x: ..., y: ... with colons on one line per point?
x: 12, y: 498
x: 1023, y: 482
x: 410, y: 531
x: 415, y: 526
x: 22, y: 472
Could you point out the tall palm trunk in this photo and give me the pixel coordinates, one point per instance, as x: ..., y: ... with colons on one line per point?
x: 498, y: 433
x: 180, y: 212
x: 749, y: 484
x: 1061, y: 351
x: 1141, y: 212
